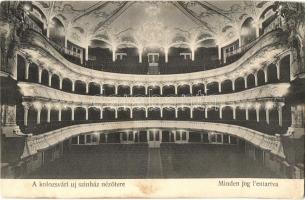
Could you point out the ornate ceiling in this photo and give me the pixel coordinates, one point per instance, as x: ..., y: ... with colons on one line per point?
x: 146, y: 23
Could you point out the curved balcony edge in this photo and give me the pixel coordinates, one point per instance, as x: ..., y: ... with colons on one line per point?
x: 268, y: 40
x: 41, y: 142
x: 41, y: 92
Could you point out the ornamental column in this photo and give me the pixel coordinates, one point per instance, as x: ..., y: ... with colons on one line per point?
x: 233, y: 85
x: 73, y: 85
x: 39, y: 74
x: 72, y: 113
x: 206, y: 112
x: 191, y: 112
x: 116, y: 89
x: 26, y: 72
x: 38, y: 115
x: 267, y: 115
x: 146, y: 112
x: 146, y: 89
x: 26, y: 108
x: 101, y: 112
x: 246, y: 82
x: 49, y: 113
x: 219, y: 87
x: 257, y: 113
x: 60, y: 83
x: 176, y: 113
x: 50, y: 79
x: 266, y: 74
x: 247, y: 113
x: 280, y: 113
x: 161, y: 90
x: 206, y: 88
x: 278, y: 75
x: 59, y: 114
x: 191, y: 88
x: 116, y: 113
x: 255, y: 79
x: 234, y: 112
x: 87, y: 87
x: 131, y: 113
x: 176, y: 89
x: 220, y: 112
x: 161, y: 112
x: 101, y: 89
x: 86, y: 109
x: 131, y: 90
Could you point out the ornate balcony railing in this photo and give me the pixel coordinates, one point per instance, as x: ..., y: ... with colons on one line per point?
x: 44, y: 141
x: 42, y: 93
x: 253, y: 59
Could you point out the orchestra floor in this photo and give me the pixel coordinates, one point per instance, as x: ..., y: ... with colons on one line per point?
x: 168, y: 161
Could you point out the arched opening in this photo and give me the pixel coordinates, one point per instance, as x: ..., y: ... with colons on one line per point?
x: 285, y: 69
x: 213, y: 114
x: 212, y: 88
x: 80, y: 87
x: 109, y: 114
x: 43, y: 115
x: 94, y: 88
x: 138, y: 113
x: 239, y: 84
x: 124, y: 113
x: 226, y: 86
x: 227, y: 114
x: 55, y: 81
x: 67, y: 85
x: 93, y: 114
x: 269, y: 20
x: 250, y: 81
x: 260, y: 77
x: 272, y: 74
x: 33, y: 73
x: 168, y: 90
x: 153, y: 91
x: 274, y: 121
x: 45, y: 77
x: 66, y: 115
x: 154, y: 113
x: 54, y: 120
x: 198, y: 89
x: 198, y: 113
x: 168, y: 113
x: 32, y: 119
x: 184, y: 113
x: 80, y: 115
x: 248, y: 31
x: 109, y: 90
x: 138, y: 91
x: 123, y: 90
x: 183, y: 90
x: 252, y: 123
x: 20, y: 68
x: 37, y: 17
x: 57, y: 32
x: 240, y: 115
x: 263, y: 126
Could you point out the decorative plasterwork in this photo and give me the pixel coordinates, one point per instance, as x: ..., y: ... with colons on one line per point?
x: 40, y: 93
x: 266, y: 50
x: 44, y: 141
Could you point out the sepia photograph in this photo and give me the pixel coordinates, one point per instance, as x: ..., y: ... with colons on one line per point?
x: 137, y: 99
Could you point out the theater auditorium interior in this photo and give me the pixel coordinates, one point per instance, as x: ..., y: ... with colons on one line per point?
x: 125, y: 89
